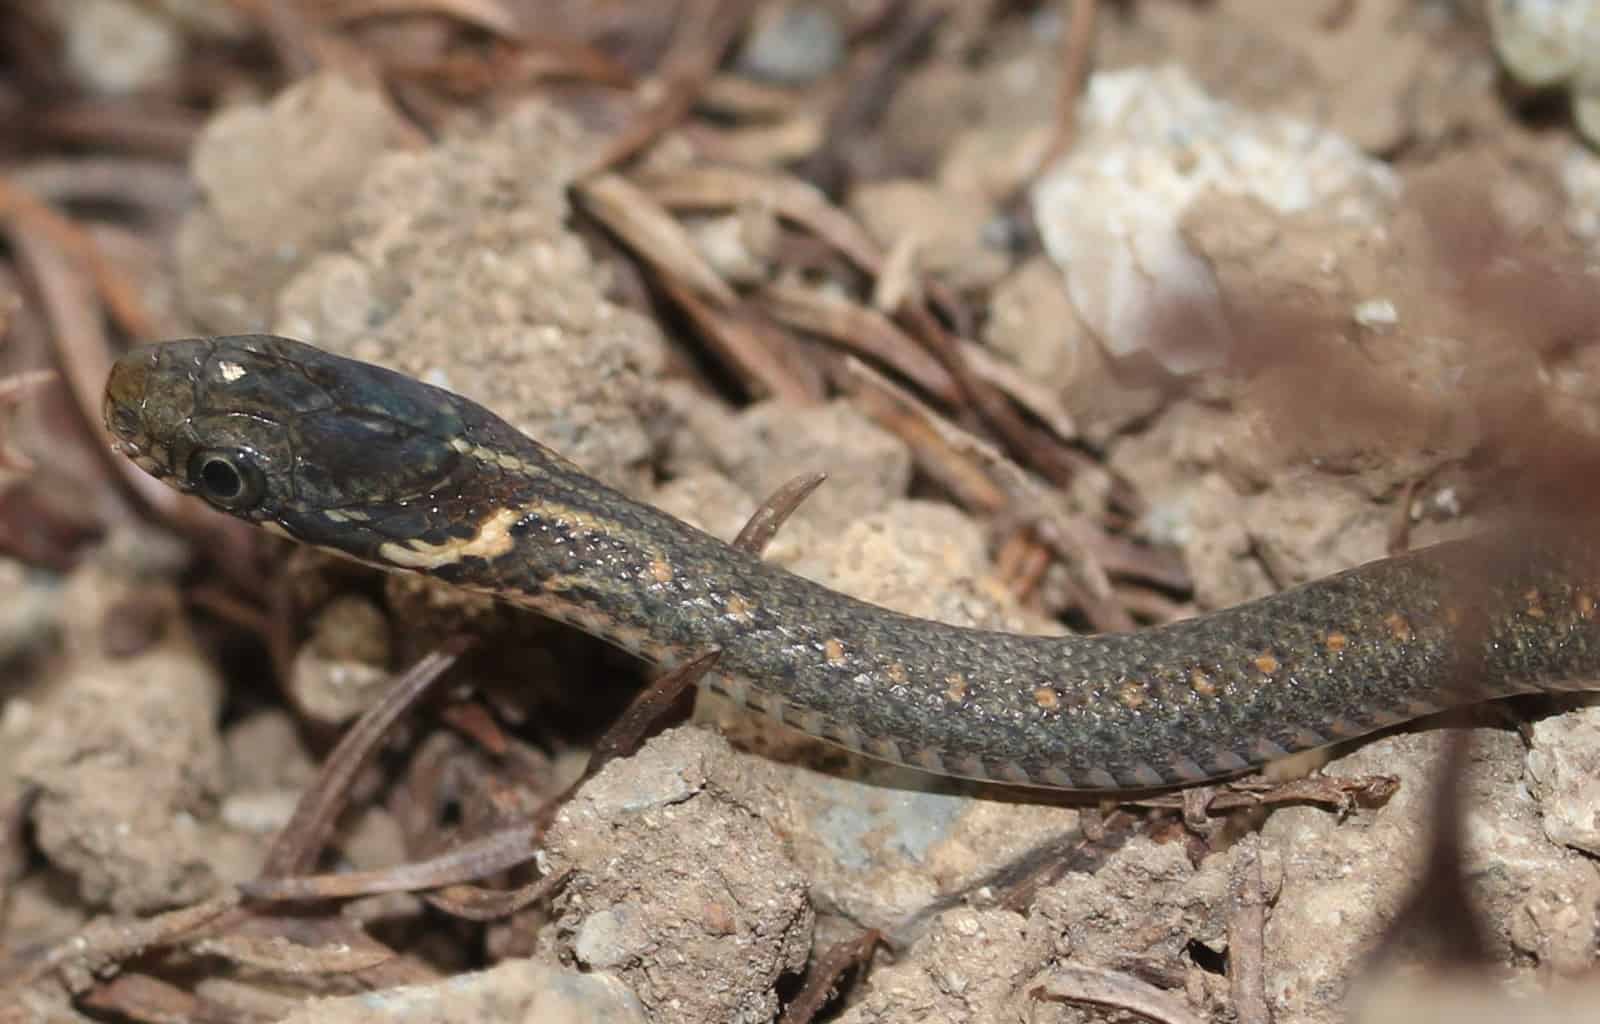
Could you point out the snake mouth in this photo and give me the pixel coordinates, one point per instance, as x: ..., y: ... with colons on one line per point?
x: 134, y: 445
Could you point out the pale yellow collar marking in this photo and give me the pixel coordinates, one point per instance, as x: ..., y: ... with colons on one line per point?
x: 492, y: 540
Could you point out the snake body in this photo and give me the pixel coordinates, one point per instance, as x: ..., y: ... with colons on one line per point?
x: 393, y: 472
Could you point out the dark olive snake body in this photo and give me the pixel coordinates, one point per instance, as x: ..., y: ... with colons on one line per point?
x: 390, y: 471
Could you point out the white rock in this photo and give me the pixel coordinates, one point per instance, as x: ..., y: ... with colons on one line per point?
x: 1150, y: 142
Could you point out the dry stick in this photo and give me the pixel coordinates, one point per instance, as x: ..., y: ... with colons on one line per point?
x: 39, y: 237
x: 739, y: 99
x: 1077, y: 45
x: 153, y: 127
x: 687, y: 71
x: 489, y: 15
x: 765, y: 522
x: 537, y: 58
x: 1338, y: 794
x: 858, y: 329
x: 868, y: 98
x: 717, y: 187
x: 1099, y: 986
x: 142, y: 997
x: 760, y: 354
x: 472, y: 859
x: 1149, y: 605
x: 1399, y: 537
x: 474, y: 903
x: 142, y: 184
x: 1247, y: 925
x: 338, y: 947
x: 471, y: 718
x: 1021, y: 564
x: 300, y: 842
x: 824, y: 975
x: 48, y: 245
x: 503, y: 848
x: 105, y: 942
x: 25, y: 215
x: 413, y: 802
x: 1022, y: 879
x: 756, y: 350
x: 1030, y: 392
x: 944, y: 451
x: 1055, y: 461
x: 642, y: 713
x: 653, y: 234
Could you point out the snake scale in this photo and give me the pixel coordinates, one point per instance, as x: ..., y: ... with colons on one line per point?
x: 393, y: 472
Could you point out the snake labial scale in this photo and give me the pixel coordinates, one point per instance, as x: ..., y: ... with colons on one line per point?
x: 390, y: 471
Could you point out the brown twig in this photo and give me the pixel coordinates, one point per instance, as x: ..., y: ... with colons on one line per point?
x: 1040, y: 450
x: 759, y: 353
x: 1077, y: 45
x: 705, y: 33
x: 146, y: 186
x: 1100, y: 986
x: 1339, y: 794
x: 859, y: 329
x: 26, y: 217
x: 765, y: 522
x: 101, y: 943
x: 473, y: 903
x: 647, y: 229
x: 1247, y: 924
x: 300, y: 842
x: 489, y: 15
x: 867, y: 97
x: 140, y: 997
x: 822, y: 977
x: 467, y: 862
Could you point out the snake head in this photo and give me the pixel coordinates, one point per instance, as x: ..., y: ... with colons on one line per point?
x: 333, y: 452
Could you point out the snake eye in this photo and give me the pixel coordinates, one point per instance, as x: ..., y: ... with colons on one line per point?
x: 228, y: 479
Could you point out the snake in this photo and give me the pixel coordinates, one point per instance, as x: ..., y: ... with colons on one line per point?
x: 396, y: 473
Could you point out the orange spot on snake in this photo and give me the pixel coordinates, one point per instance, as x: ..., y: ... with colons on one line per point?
x: 1266, y: 663
x: 1399, y: 626
x: 1202, y: 683
x: 1046, y: 698
x: 833, y: 650
x: 1335, y: 642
